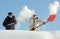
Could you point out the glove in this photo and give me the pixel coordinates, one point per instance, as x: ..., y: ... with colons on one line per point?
x: 33, y: 29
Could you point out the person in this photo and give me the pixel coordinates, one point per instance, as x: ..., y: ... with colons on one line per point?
x: 34, y: 23
x: 9, y: 22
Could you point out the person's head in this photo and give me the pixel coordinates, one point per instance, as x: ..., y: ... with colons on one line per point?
x: 35, y: 17
x: 10, y: 14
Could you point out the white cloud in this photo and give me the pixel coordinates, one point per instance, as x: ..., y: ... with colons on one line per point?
x: 25, y: 13
x: 54, y: 7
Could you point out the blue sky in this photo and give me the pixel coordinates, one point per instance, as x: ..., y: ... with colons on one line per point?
x: 40, y: 7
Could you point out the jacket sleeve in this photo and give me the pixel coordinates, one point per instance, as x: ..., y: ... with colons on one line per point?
x: 31, y: 24
x: 5, y: 22
x: 39, y: 22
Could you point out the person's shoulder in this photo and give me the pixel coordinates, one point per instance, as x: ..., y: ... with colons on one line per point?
x: 13, y: 16
x: 6, y: 18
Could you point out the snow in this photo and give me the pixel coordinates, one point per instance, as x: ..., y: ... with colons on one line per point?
x: 22, y: 34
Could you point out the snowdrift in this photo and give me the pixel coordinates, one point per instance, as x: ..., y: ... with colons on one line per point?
x: 20, y: 34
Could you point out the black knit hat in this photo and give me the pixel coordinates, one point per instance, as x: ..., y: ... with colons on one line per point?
x: 10, y: 13
x: 34, y: 15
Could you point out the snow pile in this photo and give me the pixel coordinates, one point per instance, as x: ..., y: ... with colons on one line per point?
x: 18, y: 34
